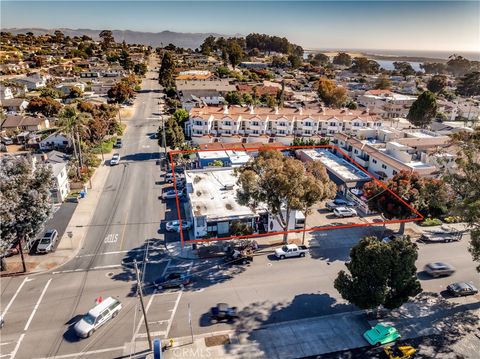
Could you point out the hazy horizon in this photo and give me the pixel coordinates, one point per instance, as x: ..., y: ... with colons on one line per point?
x: 407, y: 26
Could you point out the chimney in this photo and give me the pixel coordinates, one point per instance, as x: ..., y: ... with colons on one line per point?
x: 367, y: 111
x: 225, y: 109
x: 300, y: 110
x: 44, y: 157
x: 323, y: 110
x: 250, y: 107
x: 276, y: 110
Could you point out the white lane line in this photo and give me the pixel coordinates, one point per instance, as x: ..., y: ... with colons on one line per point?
x: 15, y: 295
x: 12, y: 354
x: 4, y: 355
x: 173, y: 312
x: 153, y: 334
x: 37, y: 305
x: 108, y: 266
x: 6, y: 343
x: 81, y: 354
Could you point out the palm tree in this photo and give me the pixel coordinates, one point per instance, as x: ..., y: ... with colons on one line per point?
x: 71, y: 121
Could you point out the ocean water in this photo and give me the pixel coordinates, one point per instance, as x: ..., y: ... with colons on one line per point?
x: 388, y: 64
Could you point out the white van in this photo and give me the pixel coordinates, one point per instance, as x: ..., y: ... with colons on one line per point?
x: 97, y: 316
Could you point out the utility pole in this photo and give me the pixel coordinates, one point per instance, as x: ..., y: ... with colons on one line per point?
x: 140, y: 294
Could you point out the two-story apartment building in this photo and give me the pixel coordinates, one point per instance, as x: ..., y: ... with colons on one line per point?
x: 250, y: 124
x: 386, y: 159
x: 393, y: 104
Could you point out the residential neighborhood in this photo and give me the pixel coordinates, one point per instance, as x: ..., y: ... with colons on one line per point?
x: 253, y: 196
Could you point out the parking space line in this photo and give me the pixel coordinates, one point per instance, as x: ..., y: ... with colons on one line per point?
x: 141, y: 321
x: 166, y: 267
x: 15, y: 295
x: 173, y: 312
x: 12, y: 355
x: 81, y: 354
x: 37, y: 305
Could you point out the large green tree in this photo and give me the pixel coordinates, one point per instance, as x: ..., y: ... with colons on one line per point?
x: 404, y: 68
x: 331, y: 94
x: 382, y: 83
x: 120, y: 92
x: 423, y: 110
x: 437, y: 83
x: 47, y: 106
x: 469, y: 85
x: 465, y: 182
x: 108, y: 40
x: 167, y: 70
x: 173, y: 134
x: 25, y: 198
x: 280, y: 183
x: 343, y: 59
x: 362, y: 65
x: 380, y: 274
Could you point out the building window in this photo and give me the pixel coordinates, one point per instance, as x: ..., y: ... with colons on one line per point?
x: 384, y: 167
x: 332, y: 124
x: 255, y: 123
x: 356, y: 124
x: 255, y: 132
x: 374, y: 160
x: 394, y: 172
x: 227, y: 123
x: 198, y: 123
x: 308, y: 124
x: 355, y: 151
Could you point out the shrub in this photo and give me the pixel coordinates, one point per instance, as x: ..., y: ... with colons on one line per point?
x: 431, y: 222
x: 452, y: 219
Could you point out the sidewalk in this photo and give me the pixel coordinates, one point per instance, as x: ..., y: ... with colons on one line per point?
x: 74, y: 235
x: 428, y: 314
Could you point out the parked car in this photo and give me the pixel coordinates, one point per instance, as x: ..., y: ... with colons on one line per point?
x: 6, y: 141
x: 172, y: 280
x: 338, y: 202
x: 171, y: 194
x: 290, y: 250
x: 118, y: 143
x: 342, y: 212
x: 391, y: 237
x: 439, y: 269
x: 12, y: 250
x: 381, y: 334
x: 115, y: 159
x: 97, y: 316
x: 174, y: 226
x: 235, y: 256
x: 47, y: 243
x: 222, y: 311
x: 461, y: 289
x: 169, y: 177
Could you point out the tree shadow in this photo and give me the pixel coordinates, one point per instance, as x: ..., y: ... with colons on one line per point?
x: 136, y: 157
x: 335, y: 245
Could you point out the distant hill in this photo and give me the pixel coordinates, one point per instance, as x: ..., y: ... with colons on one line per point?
x: 155, y: 39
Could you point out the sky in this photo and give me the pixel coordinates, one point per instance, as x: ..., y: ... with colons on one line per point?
x: 403, y: 25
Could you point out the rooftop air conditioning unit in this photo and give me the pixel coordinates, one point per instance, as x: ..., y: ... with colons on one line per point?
x: 228, y: 187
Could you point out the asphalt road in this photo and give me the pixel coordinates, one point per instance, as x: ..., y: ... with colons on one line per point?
x: 40, y: 309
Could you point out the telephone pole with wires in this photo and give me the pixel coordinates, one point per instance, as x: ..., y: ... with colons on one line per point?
x: 140, y: 295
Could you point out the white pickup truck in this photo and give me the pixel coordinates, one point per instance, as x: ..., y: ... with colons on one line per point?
x: 290, y: 250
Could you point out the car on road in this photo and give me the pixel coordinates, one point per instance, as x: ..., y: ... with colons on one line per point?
x: 223, y: 312
x: 115, y: 159
x: 174, y: 226
x: 47, y: 243
x: 342, y: 212
x: 104, y: 311
x: 291, y: 250
x: 381, y: 334
x: 338, y: 202
x: 6, y: 141
x: 172, y: 280
x: 461, y: 289
x: 171, y: 194
x: 118, y: 143
x: 439, y: 269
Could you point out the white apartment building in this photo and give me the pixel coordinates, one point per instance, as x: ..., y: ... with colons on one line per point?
x: 61, y: 186
x: 393, y: 104
x: 419, y: 152
x: 249, y: 124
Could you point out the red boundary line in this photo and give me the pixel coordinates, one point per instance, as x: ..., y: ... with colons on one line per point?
x: 313, y: 229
